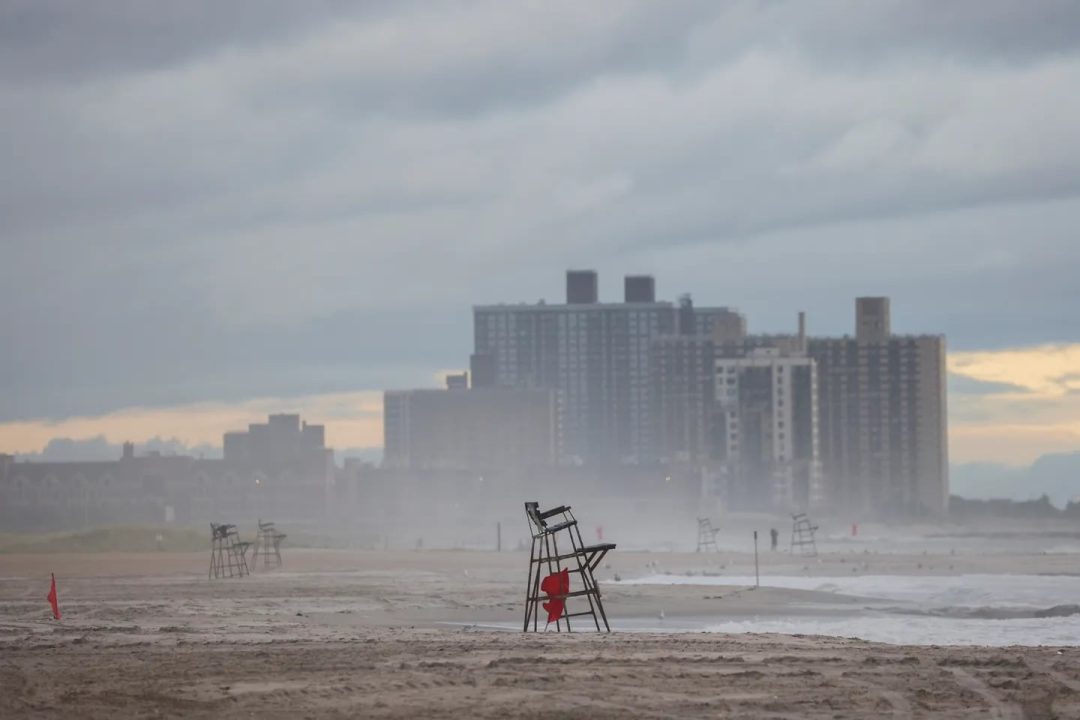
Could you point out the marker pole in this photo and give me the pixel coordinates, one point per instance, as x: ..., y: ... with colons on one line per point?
x: 757, y: 574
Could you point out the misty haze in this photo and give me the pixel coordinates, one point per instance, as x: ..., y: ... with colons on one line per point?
x: 497, y: 359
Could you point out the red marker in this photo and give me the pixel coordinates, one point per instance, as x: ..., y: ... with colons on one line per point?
x: 51, y: 597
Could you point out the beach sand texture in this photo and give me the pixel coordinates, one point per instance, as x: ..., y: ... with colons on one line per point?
x: 416, y: 634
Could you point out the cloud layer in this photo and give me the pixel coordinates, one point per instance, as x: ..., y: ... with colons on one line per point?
x: 207, y: 204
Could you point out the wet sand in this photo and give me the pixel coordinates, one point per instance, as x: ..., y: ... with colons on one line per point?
x: 409, y: 634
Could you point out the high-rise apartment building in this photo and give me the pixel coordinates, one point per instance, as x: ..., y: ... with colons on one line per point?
x: 594, y: 355
x: 766, y: 431
x: 883, y: 416
x: 683, y: 396
x: 720, y: 324
x: 683, y: 368
x: 771, y: 421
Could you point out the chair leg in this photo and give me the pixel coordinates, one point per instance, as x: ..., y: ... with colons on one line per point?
x: 577, y: 544
x: 595, y: 603
x: 542, y: 548
x: 529, y: 598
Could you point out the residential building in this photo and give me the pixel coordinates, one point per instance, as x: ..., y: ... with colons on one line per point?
x: 595, y: 357
x: 766, y: 431
x: 884, y: 447
x: 468, y: 428
x: 683, y: 394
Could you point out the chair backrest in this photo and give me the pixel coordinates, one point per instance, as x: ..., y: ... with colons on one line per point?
x: 532, y: 511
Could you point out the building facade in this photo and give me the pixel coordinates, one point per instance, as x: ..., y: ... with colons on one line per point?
x: 883, y: 416
x: 279, y: 469
x: 468, y: 428
x: 684, y: 399
x: 766, y: 446
x: 594, y: 356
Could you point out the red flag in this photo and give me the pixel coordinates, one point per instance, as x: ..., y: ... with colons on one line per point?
x: 51, y: 597
x: 556, y: 585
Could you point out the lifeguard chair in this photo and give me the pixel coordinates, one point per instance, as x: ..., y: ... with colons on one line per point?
x: 267, y: 547
x: 551, y: 568
x: 227, y: 552
x: 706, y: 535
x: 802, y: 535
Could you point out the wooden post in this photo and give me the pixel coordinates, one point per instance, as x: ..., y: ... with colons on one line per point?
x: 498, y: 537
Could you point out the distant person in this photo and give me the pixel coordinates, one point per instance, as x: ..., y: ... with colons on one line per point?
x: 775, y: 536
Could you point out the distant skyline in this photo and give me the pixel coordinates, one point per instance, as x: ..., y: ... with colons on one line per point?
x: 212, y: 213
x: 1008, y: 407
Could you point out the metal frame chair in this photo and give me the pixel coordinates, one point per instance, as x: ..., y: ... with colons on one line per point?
x: 267, y: 546
x: 706, y: 535
x: 227, y: 552
x: 580, y: 559
x: 802, y: 535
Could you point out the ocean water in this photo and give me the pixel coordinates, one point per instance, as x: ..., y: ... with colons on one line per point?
x: 996, y: 610
x: 919, y: 630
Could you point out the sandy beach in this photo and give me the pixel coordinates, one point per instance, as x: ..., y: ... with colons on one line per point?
x: 433, y: 634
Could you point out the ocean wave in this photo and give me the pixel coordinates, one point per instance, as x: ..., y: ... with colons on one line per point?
x: 989, y: 612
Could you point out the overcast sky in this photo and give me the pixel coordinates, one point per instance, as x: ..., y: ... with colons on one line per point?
x: 207, y: 204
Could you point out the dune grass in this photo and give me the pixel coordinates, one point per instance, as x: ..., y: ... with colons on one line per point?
x: 108, y: 539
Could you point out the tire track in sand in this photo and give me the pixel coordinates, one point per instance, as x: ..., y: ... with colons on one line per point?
x: 995, y: 708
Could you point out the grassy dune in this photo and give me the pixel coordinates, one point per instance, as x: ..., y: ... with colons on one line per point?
x: 108, y: 539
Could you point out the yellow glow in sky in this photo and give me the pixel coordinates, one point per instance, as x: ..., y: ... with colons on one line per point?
x: 1039, y: 414
x: 351, y: 419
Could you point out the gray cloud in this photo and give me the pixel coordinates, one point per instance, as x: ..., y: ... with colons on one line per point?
x: 205, y: 202
x: 70, y: 41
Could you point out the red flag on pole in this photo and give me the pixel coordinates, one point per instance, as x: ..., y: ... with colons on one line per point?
x: 51, y: 597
